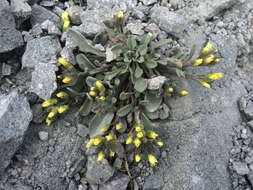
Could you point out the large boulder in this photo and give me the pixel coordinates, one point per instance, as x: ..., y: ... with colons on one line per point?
x: 10, y: 38
x: 15, y: 116
x: 198, y: 135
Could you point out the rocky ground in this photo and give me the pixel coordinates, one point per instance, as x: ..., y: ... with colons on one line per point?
x: 208, y: 137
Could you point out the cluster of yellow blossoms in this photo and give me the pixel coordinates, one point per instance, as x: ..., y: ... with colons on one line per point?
x: 65, y: 21
x: 141, y: 136
x: 67, y: 65
x: 98, y: 91
x: 181, y: 93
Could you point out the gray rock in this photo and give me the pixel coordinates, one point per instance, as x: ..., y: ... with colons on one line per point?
x: 6, y: 69
x: 43, y: 135
x: 74, y: 14
x: 38, y: 114
x: 46, y: 3
x: 72, y: 185
x: 154, y: 182
x: 21, y: 10
x: 249, y: 111
x: 36, y: 31
x: 171, y: 22
x: 149, y: 2
x: 98, y: 172
x: 198, y: 145
x: 135, y: 28
x: 50, y: 27
x: 41, y: 14
x: 19, y: 186
x: 82, y: 130
x: 82, y: 187
x: 156, y: 82
x: 241, y: 168
x: 39, y: 55
x: 10, y: 38
x: 15, y: 116
x: 118, y: 182
x: 68, y: 55
x: 250, y: 124
x: 109, y: 4
x: 250, y: 177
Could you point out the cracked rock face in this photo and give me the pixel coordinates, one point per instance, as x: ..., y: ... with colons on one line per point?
x: 15, y: 116
x: 10, y: 38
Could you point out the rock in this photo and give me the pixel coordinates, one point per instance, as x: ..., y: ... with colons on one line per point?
x: 249, y: 111
x: 39, y: 115
x: 135, y: 28
x: 250, y: 124
x: 156, y: 82
x: 50, y: 27
x: 241, y: 168
x: 250, y: 177
x: 82, y: 130
x: 6, y: 69
x: 43, y: 135
x: 46, y: 3
x: 68, y: 55
x: 19, y: 186
x: 74, y: 14
x: 82, y: 187
x: 211, y: 8
x: 198, y: 145
x: 72, y: 185
x: 109, y: 4
x: 171, y: 22
x: 36, y: 31
x: 98, y: 172
x: 154, y: 182
x: 10, y: 38
x: 21, y: 10
x: 118, y: 163
x: 148, y: 2
x: 77, y: 166
x: 41, y: 14
x: 39, y: 55
x: 15, y: 116
x: 118, y: 182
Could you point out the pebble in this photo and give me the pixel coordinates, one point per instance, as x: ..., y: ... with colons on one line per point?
x: 241, y: 168
x: 43, y: 135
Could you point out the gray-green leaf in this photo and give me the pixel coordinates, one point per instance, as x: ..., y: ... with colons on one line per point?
x: 84, y: 63
x: 124, y: 110
x: 141, y: 84
x: 138, y: 71
x: 153, y: 102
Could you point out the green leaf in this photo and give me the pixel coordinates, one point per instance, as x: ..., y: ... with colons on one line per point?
x: 146, y: 123
x: 84, y: 63
x: 160, y: 43
x: 83, y: 44
x: 117, y: 49
x: 140, y: 59
x: 142, y: 49
x: 151, y: 64
x: 90, y: 81
x: 145, y: 40
x: 74, y: 92
x: 131, y: 42
x: 124, y: 110
x: 112, y: 74
x: 124, y: 123
x: 141, y: 84
x: 98, y: 122
x: 125, y: 95
x: 153, y: 102
x: 86, y: 107
x: 180, y: 73
x: 138, y: 71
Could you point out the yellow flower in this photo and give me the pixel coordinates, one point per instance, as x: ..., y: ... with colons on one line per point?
x: 93, y: 88
x: 49, y: 102
x: 90, y: 143
x: 64, y: 63
x: 197, y: 62
x: 92, y: 93
x: 65, y: 16
x: 121, y: 15
x: 112, y: 153
x: 62, y: 109
x: 137, y: 157
x: 217, y: 60
x: 51, y: 114
x: 138, y: 128
x: 209, y: 59
x: 65, y: 26
x: 170, y: 90
x: 152, y: 134
x: 104, y: 129
x: 119, y: 126
x: 67, y: 80
x: 214, y: 76
x: 101, y: 155
x: 97, y: 141
x: 205, y: 84
x: 100, y: 86
x: 152, y: 159
x: 183, y: 92
x: 137, y: 142
x: 48, y: 121
x: 215, y: 51
x: 129, y: 140
x: 140, y: 135
x: 159, y: 143
x: 59, y: 76
x: 62, y: 95
x: 102, y: 98
x: 109, y: 137
x: 207, y: 48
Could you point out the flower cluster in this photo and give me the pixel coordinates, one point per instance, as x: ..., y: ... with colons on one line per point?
x: 98, y: 91
x: 65, y: 21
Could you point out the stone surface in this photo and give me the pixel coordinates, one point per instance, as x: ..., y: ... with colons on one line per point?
x: 50, y: 27
x: 39, y: 55
x: 21, y: 10
x: 154, y: 182
x: 198, y: 144
x: 41, y: 14
x: 15, y: 116
x: 118, y: 182
x: 149, y: 2
x: 74, y: 14
x: 171, y: 22
x: 241, y: 168
x: 10, y: 38
x: 109, y: 4
x: 156, y: 82
x: 135, y: 28
x: 98, y: 173
x: 249, y: 111
x: 82, y: 130
x: 43, y: 135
